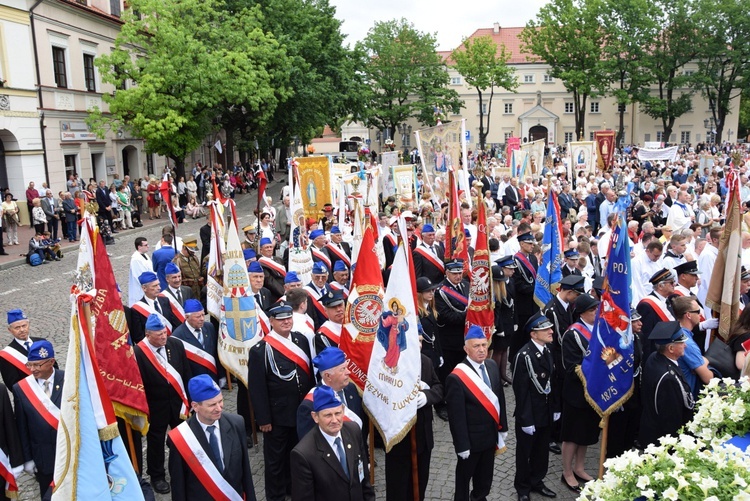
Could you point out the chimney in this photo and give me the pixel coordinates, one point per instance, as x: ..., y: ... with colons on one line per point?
x: 496, y: 28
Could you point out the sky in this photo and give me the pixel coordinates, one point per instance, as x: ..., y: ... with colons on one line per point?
x: 452, y: 21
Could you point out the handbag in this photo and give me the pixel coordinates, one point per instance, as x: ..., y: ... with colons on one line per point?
x: 721, y: 358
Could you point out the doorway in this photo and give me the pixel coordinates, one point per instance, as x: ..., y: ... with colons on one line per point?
x: 538, y: 132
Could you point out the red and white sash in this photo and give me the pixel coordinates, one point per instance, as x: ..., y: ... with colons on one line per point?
x: 265, y: 325
x: 15, y: 358
x: 6, y: 473
x: 286, y: 347
x: 340, y: 254
x: 659, y: 307
x: 526, y: 263
x: 321, y: 256
x: 349, y: 415
x: 177, y: 309
x: 429, y: 256
x: 315, y: 300
x: 40, y: 401
x: 338, y: 287
x: 200, y: 357
x: 170, y: 374
x: 480, y: 390
x: 332, y: 331
x: 187, y: 444
x: 270, y: 263
x: 145, y: 309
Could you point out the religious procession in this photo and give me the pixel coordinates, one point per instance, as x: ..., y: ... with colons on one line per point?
x: 598, y: 290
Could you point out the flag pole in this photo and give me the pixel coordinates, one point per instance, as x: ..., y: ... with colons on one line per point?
x: 371, y: 439
x: 414, y: 465
x: 603, y: 451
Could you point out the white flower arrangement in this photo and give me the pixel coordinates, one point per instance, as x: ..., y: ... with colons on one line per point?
x: 722, y: 411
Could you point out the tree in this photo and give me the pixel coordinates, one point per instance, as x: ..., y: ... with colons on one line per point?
x: 628, y: 28
x: 663, y: 63
x: 566, y: 34
x: 484, y: 66
x: 724, y: 62
x: 187, y: 59
x: 404, y: 76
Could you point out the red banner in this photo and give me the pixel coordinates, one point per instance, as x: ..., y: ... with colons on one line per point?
x: 513, y: 143
x: 480, y: 310
x: 456, y: 244
x: 363, y: 310
x: 605, y: 148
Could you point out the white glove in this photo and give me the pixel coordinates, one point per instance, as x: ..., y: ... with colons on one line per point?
x: 464, y: 454
x: 711, y: 323
x: 421, y: 400
x: 555, y: 416
x: 442, y: 361
x: 423, y: 386
x: 17, y: 471
x: 529, y: 430
x: 502, y: 436
x: 29, y: 467
x: 222, y: 382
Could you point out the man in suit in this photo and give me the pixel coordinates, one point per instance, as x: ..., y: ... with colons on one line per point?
x: 263, y: 297
x: 524, y: 281
x: 571, y: 263
x: 212, y: 441
x: 329, y: 334
x: 428, y: 256
x: 666, y: 397
x: 149, y: 304
x: 163, y: 256
x: 177, y: 291
x: 105, y: 204
x: 537, y: 408
x: 566, y: 200
x: 316, y: 289
x: 165, y: 371
x: 337, y: 249
x: 318, y: 249
x: 199, y: 338
x: 477, y: 416
x: 51, y: 210
x: 512, y: 197
x: 13, y: 357
x: 655, y: 307
x: 273, y: 270
x: 333, y: 372
x: 398, y: 464
x: 330, y: 462
x: 281, y: 374
x: 33, y: 396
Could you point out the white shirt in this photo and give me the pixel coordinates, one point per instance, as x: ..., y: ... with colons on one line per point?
x: 706, y: 262
x: 680, y: 216
x: 138, y: 265
x: 330, y: 439
x: 161, y: 357
x: 51, y: 381
x: 300, y: 325
x: 216, y: 432
x: 643, y: 270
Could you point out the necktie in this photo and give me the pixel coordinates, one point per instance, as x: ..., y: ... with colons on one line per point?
x: 27, y: 344
x: 214, y: 443
x: 342, y: 397
x: 47, y: 388
x: 156, y: 306
x: 342, y: 455
x: 199, y: 337
x: 179, y: 296
x: 257, y: 300
x: 484, y: 375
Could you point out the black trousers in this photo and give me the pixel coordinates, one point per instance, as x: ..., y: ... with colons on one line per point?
x: 477, y: 468
x: 156, y: 441
x: 398, y: 477
x: 277, y: 447
x: 532, y: 458
x: 44, y: 480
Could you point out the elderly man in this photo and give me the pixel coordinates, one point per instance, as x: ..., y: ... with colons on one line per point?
x: 331, y: 366
x: 140, y: 263
x: 199, y: 339
x: 318, y: 248
x: 329, y: 333
x: 316, y: 289
x: 330, y: 462
x: 165, y: 371
x: 340, y: 278
x: 263, y: 297
x: 13, y: 357
x: 338, y: 250
x: 273, y: 270
x: 279, y: 367
x: 477, y: 416
x: 428, y: 256
x: 150, y: 304
x: 176, y: 293
x: 37, y: 401
x: 208, y: 458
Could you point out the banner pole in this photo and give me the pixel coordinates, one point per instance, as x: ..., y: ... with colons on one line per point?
x: 603, y: 451
x: 131, y: 446
x: 371, y: 440
x: 414, y: 464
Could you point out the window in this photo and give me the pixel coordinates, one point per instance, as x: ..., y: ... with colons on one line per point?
x: 647, y: 137
x: 70, y: 165
x: 455, y: 80
x: 114, y: 7
x: 660, y: 135
x: 622, y: 108
x: 569, y: 108
x: 508, y: 108
x: 568, y: 137
x: 120, y: 74
x: 594, y: 106
x: 58, y: 66
x: 688, y: 73
x: 548, y: 78
x: 88, y: 72
x: 507, y: 136
x: 685, y: 137
x: 150, y: 163
x: 483, y: 111
x: 591, y: 136
x: 528, y: 78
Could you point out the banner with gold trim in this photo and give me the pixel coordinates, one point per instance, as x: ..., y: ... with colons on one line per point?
x: 315, y: 184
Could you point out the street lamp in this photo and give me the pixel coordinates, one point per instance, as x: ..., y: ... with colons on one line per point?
x: 710, y: 125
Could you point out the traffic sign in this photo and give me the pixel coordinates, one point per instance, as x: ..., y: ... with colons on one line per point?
x: 467, y: 136
x: 367, y: 141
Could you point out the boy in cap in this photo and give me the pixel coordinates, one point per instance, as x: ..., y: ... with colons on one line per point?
x: 571, y: 263
x: 330, y: 462
x: 37, y: 403
x: 213, y: 443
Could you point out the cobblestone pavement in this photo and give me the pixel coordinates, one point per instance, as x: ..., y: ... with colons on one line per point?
x: 43, y: 293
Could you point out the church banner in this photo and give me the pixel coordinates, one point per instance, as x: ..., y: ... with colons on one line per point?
x: 315, y: 181
x: 605, y: 148
x: 582, y: 157
x: 403, y: 180
x: 512, y: 144
x: 535, y: 150
x: 388, y: 159
x: 441, y: 147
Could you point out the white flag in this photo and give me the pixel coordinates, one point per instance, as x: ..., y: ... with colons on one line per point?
x: 218, y: 147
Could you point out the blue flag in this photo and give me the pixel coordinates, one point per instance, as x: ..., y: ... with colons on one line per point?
x: 550, y: 269
x: 607, y: 370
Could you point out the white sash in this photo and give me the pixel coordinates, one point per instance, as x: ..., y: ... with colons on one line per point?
x: 187, y: 444
x: 321, y: 256
x: 200, y: 356
x: 16, y: 358
x: 177, y: 308
x: 146, y: 309
x: 428, y: 255
x: 341, y: 254
x: 659, y: 307
x: 6, y: 473
x: 331, y: 330
x: 37, y: 396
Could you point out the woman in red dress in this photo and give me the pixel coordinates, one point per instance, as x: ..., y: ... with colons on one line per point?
x: 153, y: 203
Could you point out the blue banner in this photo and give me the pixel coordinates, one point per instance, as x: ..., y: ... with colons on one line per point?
x: 550, y: 269
x: 607, y: 369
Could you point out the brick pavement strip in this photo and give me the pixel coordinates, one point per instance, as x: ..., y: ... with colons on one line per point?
x: 43, y: 293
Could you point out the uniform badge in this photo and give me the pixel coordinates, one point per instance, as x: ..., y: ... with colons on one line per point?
x: 543, y: 375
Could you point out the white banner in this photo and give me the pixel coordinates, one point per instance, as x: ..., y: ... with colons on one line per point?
x: 300, y: 260
x: 536, y: 157
x: 388, y: 159
x: 582, y: 157
x: 395, y: 364
x: 669, y: 154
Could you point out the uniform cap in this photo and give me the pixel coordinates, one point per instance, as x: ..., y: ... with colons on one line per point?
x: 332, y: 298
x: 250, y: 228
x: 265, y: 241
x: 255, y: 267
x: 316, y: 233
x: 689, y: 267
x: 506, y: 262
x: 280, y: 311
x: 455, y: 265
x: 202, y: 388
x: 663, y: 275
x: 171, y: 269
x: 16, y: 315
x: 667, y: 332
x: 191, y: 244
x: 40, y: 351
x: 319, y: 269
x: 291, y: 278
x: 329, y: 358
x: 572, y: 283
x: 526, y: 237
x: 538, y: 323
x: 324, y: 398
x: 424, y: 284
x: 154, y: 323
x: 147, y: 277
x: 428, y: 228
x: 335, y: 230
x: 475, y: 332
x: 193, y: 306
x: 584, y: 303
x: 340, y: 266
x: 571, y: 254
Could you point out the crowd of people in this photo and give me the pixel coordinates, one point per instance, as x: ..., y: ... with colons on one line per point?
x: 299, y: 395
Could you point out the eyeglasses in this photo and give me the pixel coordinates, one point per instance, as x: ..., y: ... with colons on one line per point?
x: 694, y: 311
x: 36, y: 365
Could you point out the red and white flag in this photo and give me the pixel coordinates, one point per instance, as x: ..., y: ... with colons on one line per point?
x: 166, y: 194
x: 480, y: 310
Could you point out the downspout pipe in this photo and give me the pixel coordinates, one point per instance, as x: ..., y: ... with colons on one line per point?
x: 39, y: 89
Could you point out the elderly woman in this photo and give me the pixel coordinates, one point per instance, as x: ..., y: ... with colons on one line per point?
x: 38, y: 218
x: 10, y: 219
x: 538, y: 205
